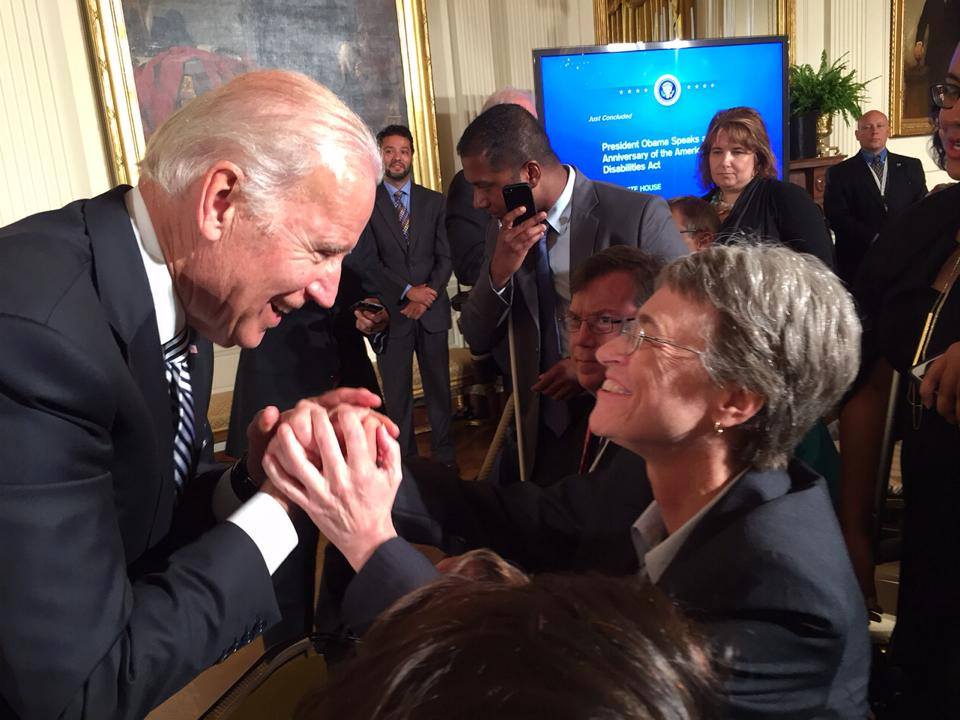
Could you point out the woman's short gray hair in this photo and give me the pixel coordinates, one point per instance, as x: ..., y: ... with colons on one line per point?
x: 786, y: 329
x: 277, y: 126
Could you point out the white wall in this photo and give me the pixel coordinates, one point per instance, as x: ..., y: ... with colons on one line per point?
x: 52, y: 148
x: 478, y: 46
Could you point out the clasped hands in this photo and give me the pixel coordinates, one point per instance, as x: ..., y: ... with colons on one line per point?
x: 419, y: 299
x: 339, y: 461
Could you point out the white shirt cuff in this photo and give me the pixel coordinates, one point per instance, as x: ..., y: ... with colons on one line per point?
x: 503, y: 291
x: 269, y: 526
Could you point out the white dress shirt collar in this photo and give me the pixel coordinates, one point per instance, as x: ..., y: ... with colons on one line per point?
x: 170, y: 315
x: 655, y: 548
x: 558, y: 217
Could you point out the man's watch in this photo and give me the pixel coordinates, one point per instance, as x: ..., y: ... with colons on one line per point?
x: 244, y: 486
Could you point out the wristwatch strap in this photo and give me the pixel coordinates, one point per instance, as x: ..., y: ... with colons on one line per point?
x: 244, y: 486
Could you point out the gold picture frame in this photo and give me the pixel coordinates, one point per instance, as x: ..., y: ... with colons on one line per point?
x: 120, y: 106
x: 910, y: 79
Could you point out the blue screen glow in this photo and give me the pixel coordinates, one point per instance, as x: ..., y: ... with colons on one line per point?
x: 636, y: 118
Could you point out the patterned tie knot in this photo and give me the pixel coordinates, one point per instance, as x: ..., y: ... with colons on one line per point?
x: 176, y: 349
x: 877, y: 166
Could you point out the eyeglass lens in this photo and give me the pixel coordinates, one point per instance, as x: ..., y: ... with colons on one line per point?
x: 945, y: 95
x: 600, y: 325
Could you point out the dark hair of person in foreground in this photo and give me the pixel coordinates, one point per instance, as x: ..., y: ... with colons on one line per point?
x: 487, y: 641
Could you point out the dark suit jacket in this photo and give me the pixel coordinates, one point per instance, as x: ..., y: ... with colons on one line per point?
x: 579, y: 522
x: 856, y: 210
x: 602, y: 215
x: 767, y: 575
x: 425, y: 259
x: 99, y: 617
x: 765, y: 572
x: 466, y: 230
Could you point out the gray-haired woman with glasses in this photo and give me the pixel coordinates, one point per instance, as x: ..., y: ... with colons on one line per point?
x: 909, y: 297
x: 714, y: 382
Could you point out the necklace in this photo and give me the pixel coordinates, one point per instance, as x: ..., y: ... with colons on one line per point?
x: 722, y: 206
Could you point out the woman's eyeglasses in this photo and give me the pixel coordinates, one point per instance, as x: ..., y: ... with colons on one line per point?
x: 945, y: 95
x: 636, y: 336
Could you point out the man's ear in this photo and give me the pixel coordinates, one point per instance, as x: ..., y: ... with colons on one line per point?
x: 533, y: 172
x: 737, y: 406
x: 219, y: 193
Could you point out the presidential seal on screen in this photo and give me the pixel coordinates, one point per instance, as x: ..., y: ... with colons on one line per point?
x: 666, y: 90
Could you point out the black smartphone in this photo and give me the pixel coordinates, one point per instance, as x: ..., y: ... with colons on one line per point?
x: 516, y: 195
x: 367, y: 306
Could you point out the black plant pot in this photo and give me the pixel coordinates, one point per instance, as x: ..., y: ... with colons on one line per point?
x: 803, y: 135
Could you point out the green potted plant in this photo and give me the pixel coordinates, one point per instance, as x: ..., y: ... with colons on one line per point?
x: 816, y: 96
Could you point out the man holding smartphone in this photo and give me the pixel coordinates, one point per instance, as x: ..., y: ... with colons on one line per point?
x: 412, y: 268
x: 525, y: 279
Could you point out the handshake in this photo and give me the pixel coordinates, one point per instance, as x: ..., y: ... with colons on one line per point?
x: 337, y: 459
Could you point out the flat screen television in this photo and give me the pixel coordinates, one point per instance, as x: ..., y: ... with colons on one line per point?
x: 635, y: 114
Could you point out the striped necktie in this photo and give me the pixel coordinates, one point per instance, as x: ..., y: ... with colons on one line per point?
x: 877, y: 167
x: 175, y: 354
x: 402, y: 215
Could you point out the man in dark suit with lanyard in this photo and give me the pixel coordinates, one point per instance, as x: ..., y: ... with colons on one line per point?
x: 865, y: 190
x: 119, y: 583
x: 411, y: 269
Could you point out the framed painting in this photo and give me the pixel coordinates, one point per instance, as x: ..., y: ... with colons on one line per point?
x: 924, y: 34
x: 151, y: 56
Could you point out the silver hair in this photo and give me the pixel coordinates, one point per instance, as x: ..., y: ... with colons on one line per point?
x: 786, y: 329
x: 277, y: 126
x: 512, y: 96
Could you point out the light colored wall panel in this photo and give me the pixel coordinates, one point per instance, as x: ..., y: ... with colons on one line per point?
x: 479, y: 46
x: 49, y: 129
x: 749, y: 17
x: 850, y: 27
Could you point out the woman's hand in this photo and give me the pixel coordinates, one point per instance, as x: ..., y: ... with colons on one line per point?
x: 941, y: 385
x: 349, y: 493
